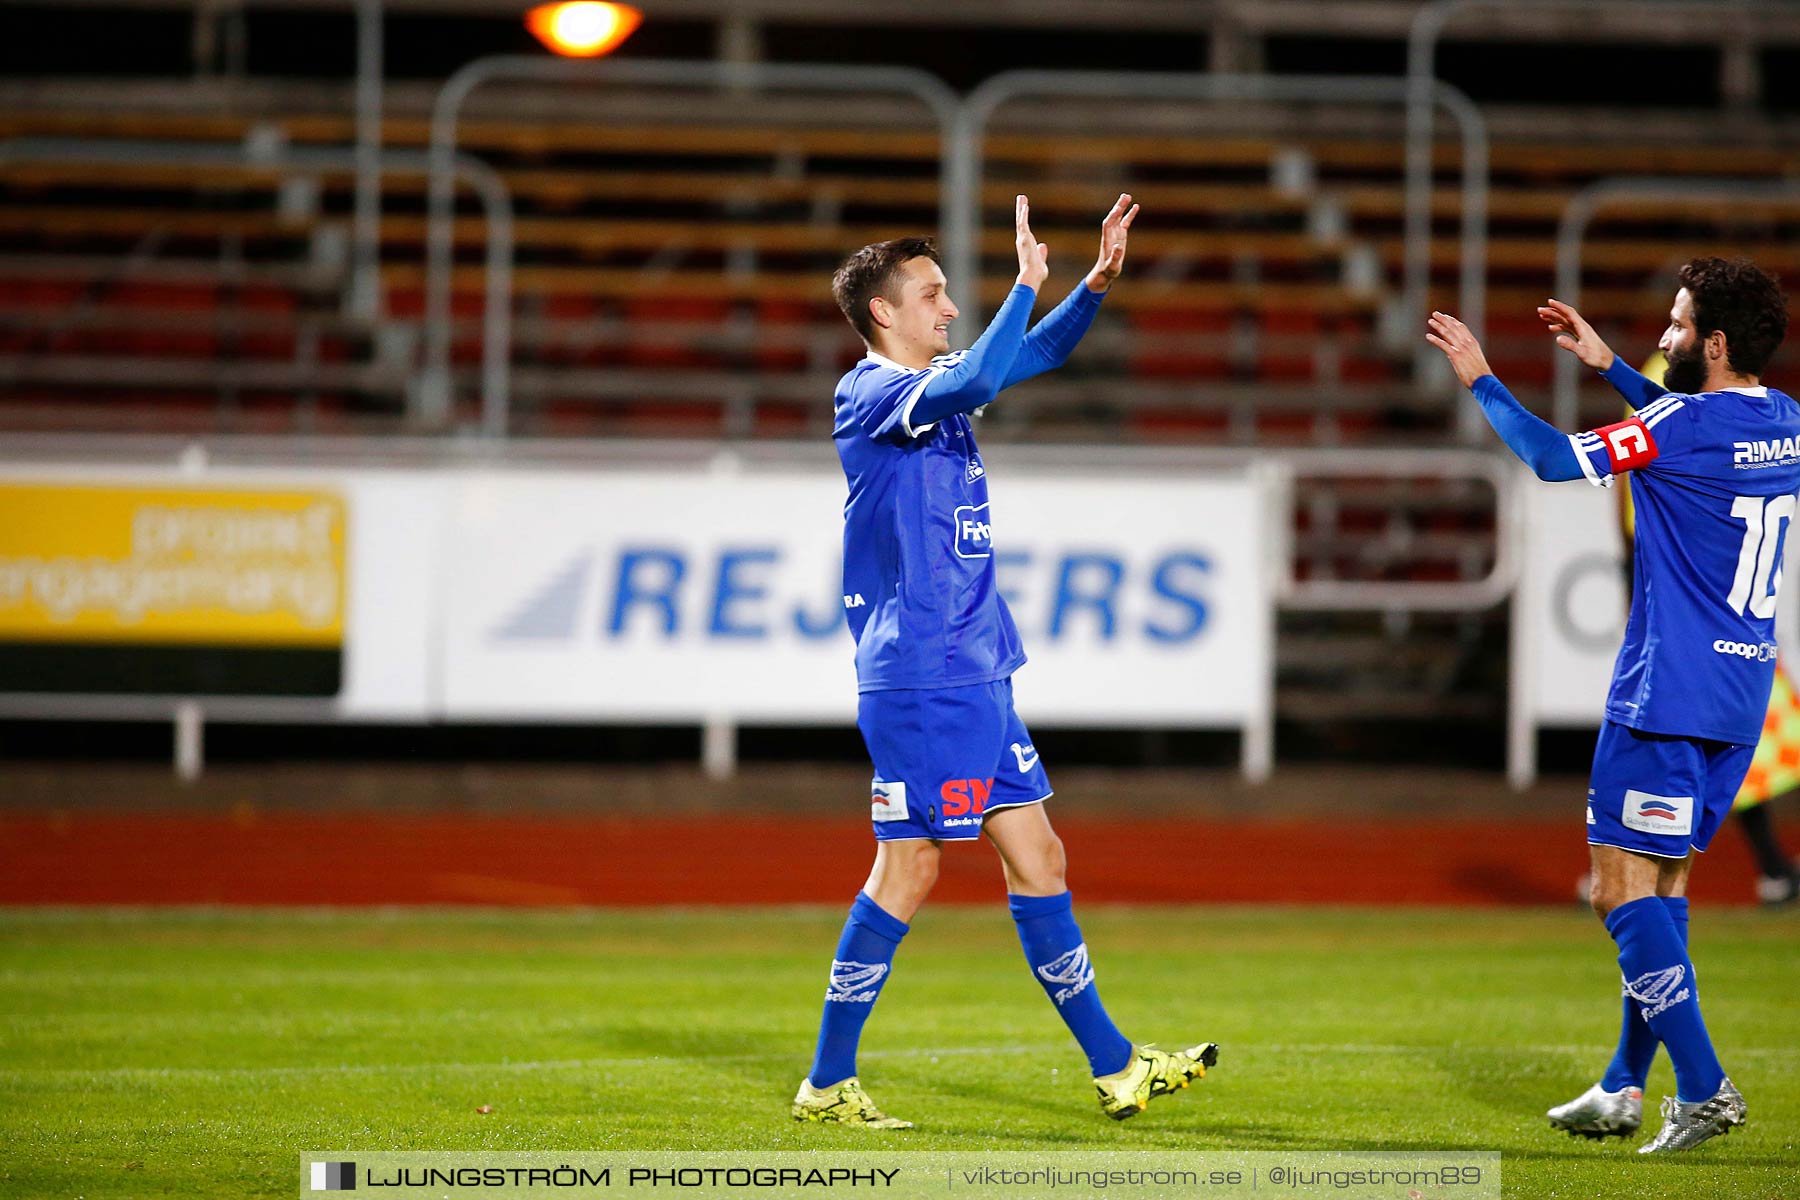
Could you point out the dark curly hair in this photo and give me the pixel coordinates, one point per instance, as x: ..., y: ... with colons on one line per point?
x: 1741, y: 301
x: 871, y: 272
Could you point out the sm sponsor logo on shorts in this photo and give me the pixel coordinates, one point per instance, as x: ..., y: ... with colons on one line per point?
x: 1672, y: 816
x: 964, y: 800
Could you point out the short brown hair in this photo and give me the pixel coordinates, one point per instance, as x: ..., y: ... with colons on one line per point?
x: 871, y: 272
x: 1741, y: 301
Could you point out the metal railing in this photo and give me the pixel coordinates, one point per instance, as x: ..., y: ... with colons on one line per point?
x: 963, y: 125
x: 489, y: 187
x: 1586, y: 204
x: 972, y: 119
x: 434, y: 393
x: 1339, y: 595
x: 1422, y: 85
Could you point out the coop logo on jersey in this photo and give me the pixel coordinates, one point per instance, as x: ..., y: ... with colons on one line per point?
x: 1753, y: 456
x: 854, y: 982
x: 887, y: 801
x: 1658, y: 991
x: 1072, y: 970
x: 974, y: 536
x: 1755, y: 651
x: 1671, y: 816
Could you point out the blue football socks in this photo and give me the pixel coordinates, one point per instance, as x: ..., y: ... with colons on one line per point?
x: 865, y: 953
x: 1659, y: 980
x: 1059, y: 960
x: 1630, y: 1065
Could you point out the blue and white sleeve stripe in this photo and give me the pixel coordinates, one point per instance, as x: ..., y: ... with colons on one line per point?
x: 1586, y: 445
x: 1659, y: 409
x: 912, y: 400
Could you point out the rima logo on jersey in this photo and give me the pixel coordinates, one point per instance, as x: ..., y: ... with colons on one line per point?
x: 1754, y: 456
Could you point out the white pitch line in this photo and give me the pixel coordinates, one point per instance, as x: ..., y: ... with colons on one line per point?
x: 563, y: 1064
x: 1238, y: 1050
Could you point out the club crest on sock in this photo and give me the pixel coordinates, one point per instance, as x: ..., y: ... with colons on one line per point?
x: 854, y: 982
x: 1659, y: 991
x: 1072, y: 969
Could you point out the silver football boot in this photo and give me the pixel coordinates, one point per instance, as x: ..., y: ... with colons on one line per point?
x: 1687, y: 1125
x: 1598, y: 1113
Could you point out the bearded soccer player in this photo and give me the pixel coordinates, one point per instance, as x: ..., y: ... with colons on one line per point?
x: 936, y: 649
x: 1775, y: 768
x: 1716, y: 466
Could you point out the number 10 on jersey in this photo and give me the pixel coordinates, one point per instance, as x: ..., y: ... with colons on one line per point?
x: 1759, y: 558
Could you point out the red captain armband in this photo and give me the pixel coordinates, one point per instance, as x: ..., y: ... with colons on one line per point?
x: 1628, y: 444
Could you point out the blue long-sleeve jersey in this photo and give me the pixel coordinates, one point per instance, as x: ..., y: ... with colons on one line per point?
x: 919, y: 583
x: 1716, y: 482
x: 1552, y: 454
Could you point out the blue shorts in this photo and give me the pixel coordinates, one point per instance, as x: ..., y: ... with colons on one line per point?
x: 1658, y: 794
x: 945, y: 758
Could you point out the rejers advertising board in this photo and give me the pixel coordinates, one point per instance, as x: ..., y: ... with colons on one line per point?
x: 681, y: 595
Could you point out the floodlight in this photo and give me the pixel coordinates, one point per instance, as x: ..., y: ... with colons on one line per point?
x: 583, y: 28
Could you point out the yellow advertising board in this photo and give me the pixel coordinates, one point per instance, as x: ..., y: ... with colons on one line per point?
x: 86, y: 566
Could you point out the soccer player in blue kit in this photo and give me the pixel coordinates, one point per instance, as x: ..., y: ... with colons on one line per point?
x: 936, y: 649
x: 1716, y: 462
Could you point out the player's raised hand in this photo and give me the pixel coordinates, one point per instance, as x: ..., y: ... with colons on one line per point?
x: 1113, y: 232
x: 1034, y: 256
x: 1576, y: 335
x: 1459, y: 346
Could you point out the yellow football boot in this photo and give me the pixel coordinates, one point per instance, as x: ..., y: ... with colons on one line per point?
x: 843, y: 1103
x: 1151, y: 1073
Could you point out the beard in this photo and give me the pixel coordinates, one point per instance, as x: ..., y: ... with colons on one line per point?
x: 1686, y: 372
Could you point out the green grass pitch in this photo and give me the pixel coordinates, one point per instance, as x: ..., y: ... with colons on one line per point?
x: 199, y: 1053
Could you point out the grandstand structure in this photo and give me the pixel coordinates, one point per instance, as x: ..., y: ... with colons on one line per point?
x: 669, y: 274
x: 672, y: 247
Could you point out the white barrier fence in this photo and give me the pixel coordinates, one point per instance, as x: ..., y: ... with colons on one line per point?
x: 692, y: 589
x: 704, y: 593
